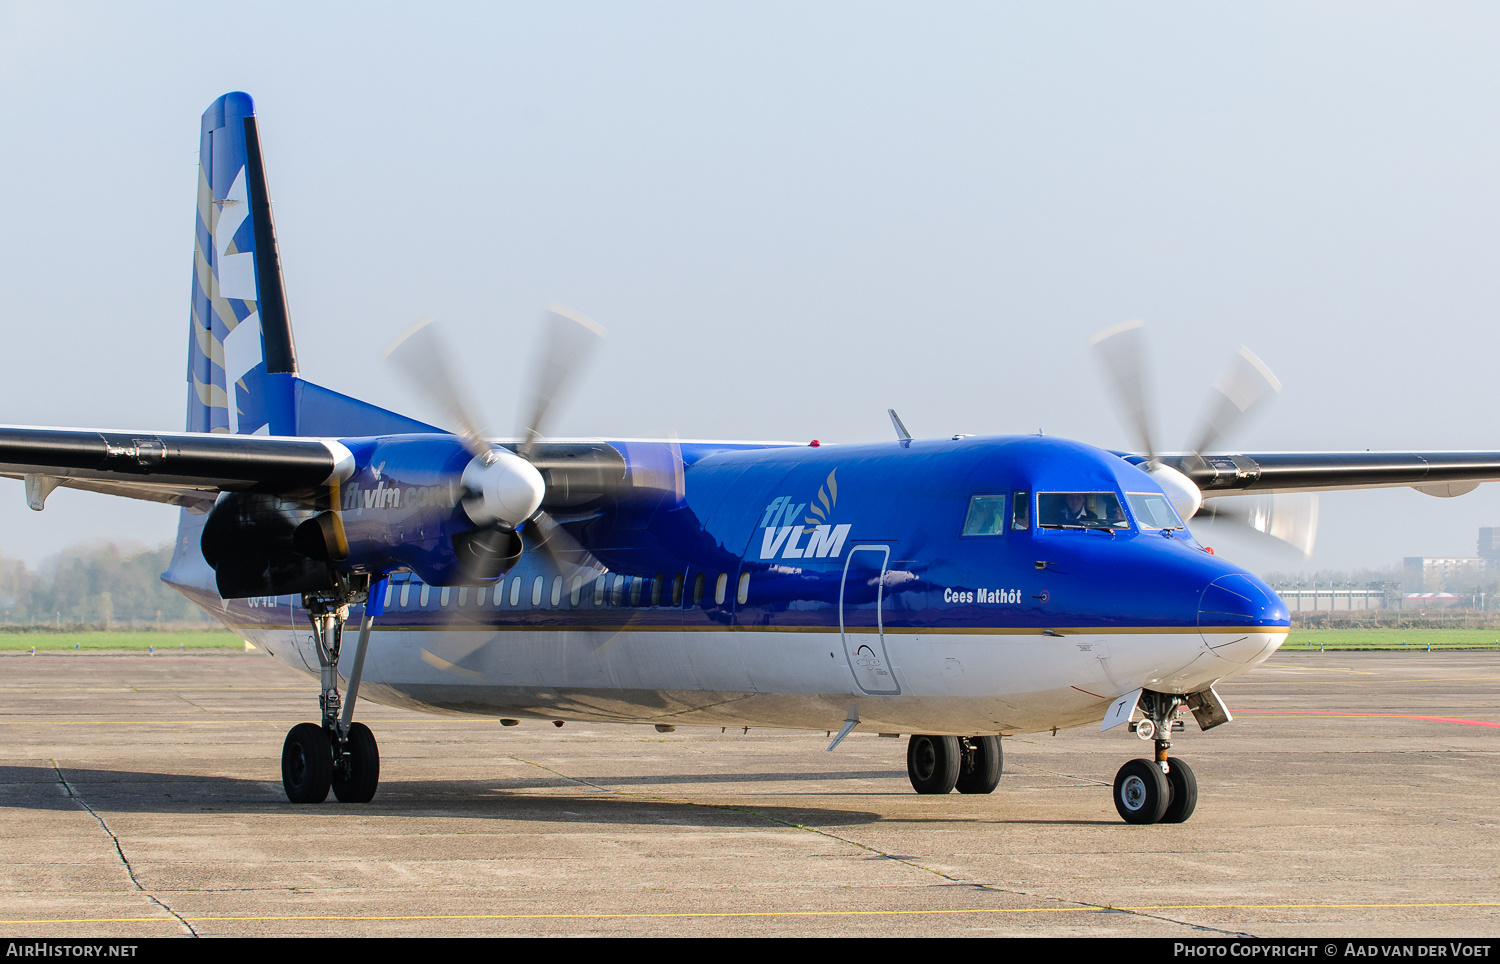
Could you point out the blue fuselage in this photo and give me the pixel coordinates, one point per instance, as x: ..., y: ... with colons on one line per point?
x: 856, y: 548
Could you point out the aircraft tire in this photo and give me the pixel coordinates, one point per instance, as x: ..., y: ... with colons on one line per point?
x: 1184, y: 787
x: 932, y: 763
x: 979, y: 768
x: 357, y: 784
x: 306, y: 764
x: 1141, y: 792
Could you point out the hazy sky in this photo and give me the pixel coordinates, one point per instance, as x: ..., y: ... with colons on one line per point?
x: 789, y: 217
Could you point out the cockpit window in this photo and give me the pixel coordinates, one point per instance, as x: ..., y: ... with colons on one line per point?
x: 986, y: 516
x: 1153, y: 511
x: 1020, y: 511
x: 1080, y: 510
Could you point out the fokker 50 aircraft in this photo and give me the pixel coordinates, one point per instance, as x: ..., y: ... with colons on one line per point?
x: 959, y: 589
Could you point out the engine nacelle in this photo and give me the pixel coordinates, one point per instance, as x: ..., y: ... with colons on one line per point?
x: 418, y: 502
x: 249, y: 539
x: 405, y: 505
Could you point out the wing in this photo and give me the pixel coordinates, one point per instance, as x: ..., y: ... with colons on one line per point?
x: 188, y: 469
x: 1435, y: 473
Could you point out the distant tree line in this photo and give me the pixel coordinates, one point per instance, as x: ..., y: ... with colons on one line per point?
x: 1476, y: 583
x: 96, y: 586
x: 1342, y: 578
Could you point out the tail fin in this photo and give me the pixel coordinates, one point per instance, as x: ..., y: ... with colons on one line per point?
x: 241, y: 359
x: 242, y: 363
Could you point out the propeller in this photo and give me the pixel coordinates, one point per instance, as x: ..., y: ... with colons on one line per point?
x: 421, y: 354
x: 1121, y: 353
x: 1237, y: 390
x: 503, y: 490
x: 569, y: 342
x: 1290, y: 518
x: 1243, y: 382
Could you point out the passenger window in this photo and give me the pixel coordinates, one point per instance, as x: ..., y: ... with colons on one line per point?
x: 720, y: 586
x: 617, y: 592
x: 635, y: 590
x: 390, y: 588
x: 677, y: 590
x: 444, y: 596
x: 515, y: 591
x: 599, y: 590
x: 537, y: 586
x: 742, y: 594
x: 1020, y: 511
x: 426, y: 593
x: 698, y: 581
x: 557, y: 585
x: 656, y: 582
x: 986, y: 516
x: 463, y: 595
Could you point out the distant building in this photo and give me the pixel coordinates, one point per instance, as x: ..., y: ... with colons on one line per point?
x: 1304, y: 599
x: 1489, y: 545
x: 1421, y: 601
x: 1428, y: 574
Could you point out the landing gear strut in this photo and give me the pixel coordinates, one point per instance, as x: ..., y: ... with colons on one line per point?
x: 980, y: 763
x: 1157, y: 790
x: 338, y: 753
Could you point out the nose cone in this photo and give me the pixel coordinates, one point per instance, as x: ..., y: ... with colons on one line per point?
x: 1241, y: 619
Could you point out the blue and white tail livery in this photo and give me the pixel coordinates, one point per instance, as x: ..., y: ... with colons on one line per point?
x: 240, y: 335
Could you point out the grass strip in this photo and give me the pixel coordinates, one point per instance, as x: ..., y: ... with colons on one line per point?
x: 184, y: 640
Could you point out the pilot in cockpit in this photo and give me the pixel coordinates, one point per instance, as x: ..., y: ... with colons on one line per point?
x: 1073, y: 511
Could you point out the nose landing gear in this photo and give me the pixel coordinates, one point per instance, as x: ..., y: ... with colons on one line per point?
x: 337, y: 754
x: 1159, y: 790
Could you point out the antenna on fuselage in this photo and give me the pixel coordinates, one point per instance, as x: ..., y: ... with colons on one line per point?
x: 901, y: 432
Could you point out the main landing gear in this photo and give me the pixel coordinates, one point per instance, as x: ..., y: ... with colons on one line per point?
x: 940, y: 764
x: 338, y: 753
x: 1159, y: 790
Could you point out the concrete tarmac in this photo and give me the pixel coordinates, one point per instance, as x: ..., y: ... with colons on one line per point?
x: 1355, y: 795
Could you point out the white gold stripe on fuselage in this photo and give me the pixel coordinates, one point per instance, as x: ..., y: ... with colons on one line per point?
x: 965, y: 684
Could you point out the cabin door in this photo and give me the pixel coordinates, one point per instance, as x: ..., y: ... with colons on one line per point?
x: 862, y: 622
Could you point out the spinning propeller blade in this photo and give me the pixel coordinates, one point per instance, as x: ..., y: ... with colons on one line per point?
x: 499, y: 485
x: 1238, y: 389
x: 1240, y: 386
x: 1290, y: 518
x: 421, y: 354
x: 569, y: 341
x: 1121, y: 353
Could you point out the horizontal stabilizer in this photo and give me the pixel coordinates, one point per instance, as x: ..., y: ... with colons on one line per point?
x: 329, y: 414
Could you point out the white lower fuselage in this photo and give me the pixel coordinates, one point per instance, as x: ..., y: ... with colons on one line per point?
x: 969, y: 683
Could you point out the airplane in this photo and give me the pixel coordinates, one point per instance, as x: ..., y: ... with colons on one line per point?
x: 955, y: 590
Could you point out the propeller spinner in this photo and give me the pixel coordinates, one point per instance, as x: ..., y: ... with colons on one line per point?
x: 503, y: 490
